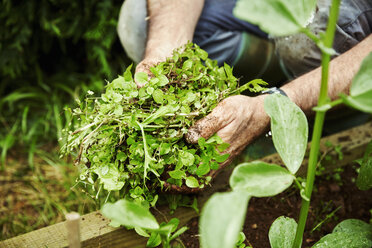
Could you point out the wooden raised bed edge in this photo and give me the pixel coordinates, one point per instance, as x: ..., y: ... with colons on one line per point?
x: 95, y: 231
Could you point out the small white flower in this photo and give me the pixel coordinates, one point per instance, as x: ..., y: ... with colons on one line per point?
x: 90, y: 92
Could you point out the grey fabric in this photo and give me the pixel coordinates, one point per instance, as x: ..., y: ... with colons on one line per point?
x: 132, y: 28
x: 299, y: 54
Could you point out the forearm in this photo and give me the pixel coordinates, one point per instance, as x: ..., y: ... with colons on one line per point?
x: 304, y: 90
x: 171, y: 25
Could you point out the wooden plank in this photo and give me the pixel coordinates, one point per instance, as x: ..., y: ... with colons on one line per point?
x: 95, y: 231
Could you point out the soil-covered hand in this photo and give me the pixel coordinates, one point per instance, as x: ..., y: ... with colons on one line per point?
x: 238, y: 120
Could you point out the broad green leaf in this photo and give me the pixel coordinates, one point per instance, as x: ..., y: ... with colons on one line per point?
x: 158, y: 96
x: 154, y: 240
x: 343, y: 240
x: 186, y: 158
x: 222, y: 158
x: 177, y: 174
x: 222, y: 219
x: 141, y: 77
x: 276, y: 17
x: 201, y: 142
x: 109, y: 176
x: 192, y: 182
x: 130, y: 214
x: 282, y: 232
x: 361, y: 88
x: 260, y: 179
x: 364, y: 180
x: 354, y: 226
x: 289, y: 130
x: 203, y: 169
x: 163, y: 80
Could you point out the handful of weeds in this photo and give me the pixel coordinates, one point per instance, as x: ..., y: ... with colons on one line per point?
x: 131, y: 139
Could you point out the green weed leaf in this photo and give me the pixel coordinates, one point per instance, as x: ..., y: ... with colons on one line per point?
x: 192, y: 182
x: 222, y: 231
x: 141, y: 77
x: 282, y: 232
x: 289, y: 130
x: 154, y: 240
x: 260, y: 179
x: 203, y: 169
x: 364, y: 180
x: 158, y: 96
x: 177, y: 174
x: 130, y: 214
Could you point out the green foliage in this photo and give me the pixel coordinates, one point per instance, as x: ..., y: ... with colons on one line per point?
x: 282, y: 232
x: 133, y: 215
x: 364, y: 180
x: 240, y: 243
x: 349, y: 233
x: 260, y: 179
x: 289, y: 130
x: 131, y: 139
x: 130, y: 214
x: 361, y: 88
x: 222, y: 218
x: 276, y: 17
x: 49, y: 51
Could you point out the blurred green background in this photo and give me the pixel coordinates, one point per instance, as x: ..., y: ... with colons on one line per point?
x: 51, y: 53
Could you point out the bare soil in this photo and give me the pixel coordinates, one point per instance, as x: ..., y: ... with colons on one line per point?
x: 335, y: 198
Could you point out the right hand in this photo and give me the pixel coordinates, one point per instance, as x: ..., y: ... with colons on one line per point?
x: 238, y: 120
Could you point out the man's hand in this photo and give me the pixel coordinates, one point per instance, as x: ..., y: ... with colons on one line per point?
x: 171, y: 25
x: 238, y: 120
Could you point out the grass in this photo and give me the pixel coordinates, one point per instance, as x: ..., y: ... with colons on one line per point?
x: 34, y: 197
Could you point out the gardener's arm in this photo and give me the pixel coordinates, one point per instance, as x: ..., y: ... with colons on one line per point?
x: 171, y: 25
x: 238, y: 120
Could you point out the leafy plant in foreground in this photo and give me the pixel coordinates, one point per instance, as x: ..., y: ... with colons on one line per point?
x: 134, y: 215
x: 289, y: 130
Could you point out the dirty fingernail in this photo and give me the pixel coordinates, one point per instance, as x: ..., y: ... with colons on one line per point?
x: 192, y: 136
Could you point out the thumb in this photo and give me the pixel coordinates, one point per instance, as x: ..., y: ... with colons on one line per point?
x: 207, y: 126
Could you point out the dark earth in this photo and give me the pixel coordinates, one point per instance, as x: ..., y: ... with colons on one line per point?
x: 335, y: 198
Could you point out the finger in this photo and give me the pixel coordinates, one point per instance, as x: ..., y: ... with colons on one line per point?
x: 209, y: 125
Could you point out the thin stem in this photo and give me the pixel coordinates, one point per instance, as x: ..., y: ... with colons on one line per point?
x: 147, y: 157
x: 318, y: 126
x: 336, y: 102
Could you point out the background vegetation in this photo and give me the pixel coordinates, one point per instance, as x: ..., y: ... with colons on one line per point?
x: 51, y: 52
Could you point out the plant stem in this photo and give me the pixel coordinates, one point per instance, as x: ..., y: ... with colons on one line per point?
x: 318, y: 126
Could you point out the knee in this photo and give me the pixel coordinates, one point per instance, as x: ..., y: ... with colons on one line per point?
x: 132, y: 28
